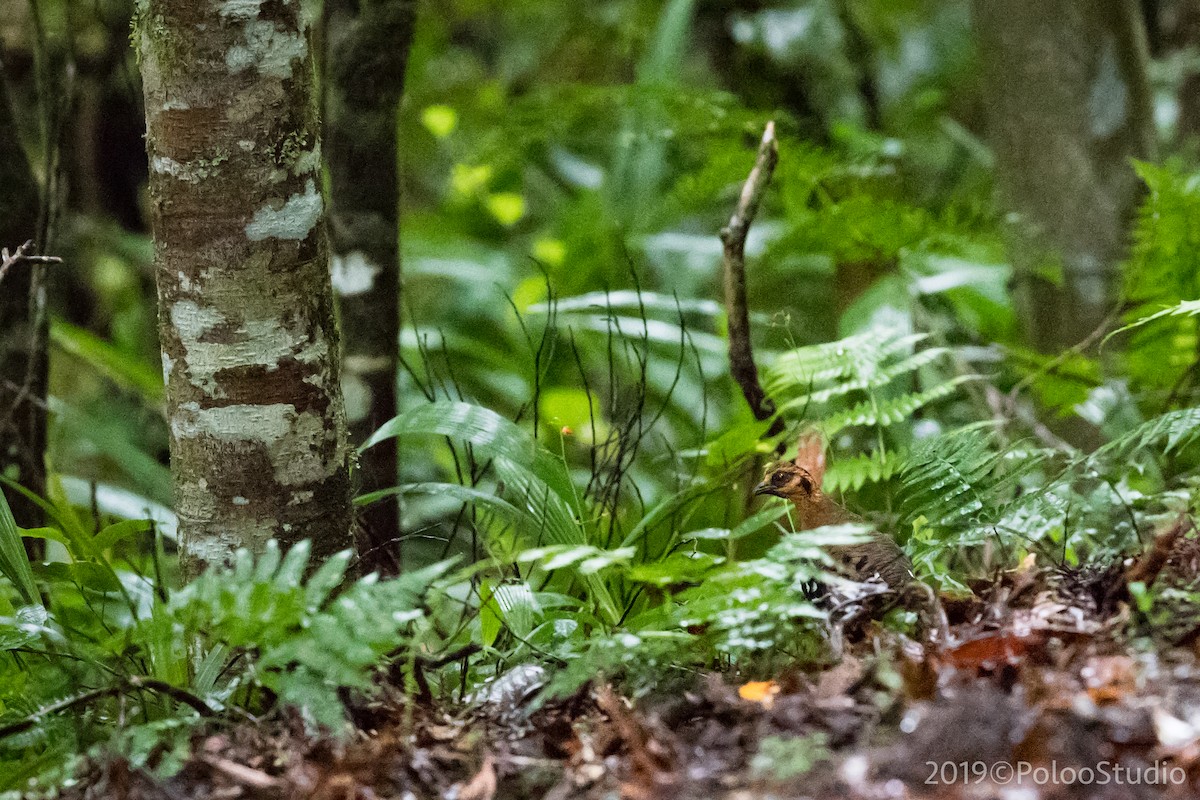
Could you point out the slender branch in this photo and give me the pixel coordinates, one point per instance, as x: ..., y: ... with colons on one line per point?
x: 131, y: 683
x: 22, y: 256
x: 733, y: 237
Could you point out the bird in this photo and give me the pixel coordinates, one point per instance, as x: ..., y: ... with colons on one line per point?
x: 799, y: 482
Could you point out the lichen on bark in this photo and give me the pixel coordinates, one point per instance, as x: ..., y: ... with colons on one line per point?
x: 250, y: 352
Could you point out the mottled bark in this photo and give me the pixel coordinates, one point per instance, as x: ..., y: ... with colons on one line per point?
x: 367, y: 51
x: 1068, y: 106
x: 23, y: 327
x: 250, y: 351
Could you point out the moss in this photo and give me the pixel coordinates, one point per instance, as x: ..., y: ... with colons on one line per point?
x: 290, y: 149
x: 207, y: 167
x: 151, y: 29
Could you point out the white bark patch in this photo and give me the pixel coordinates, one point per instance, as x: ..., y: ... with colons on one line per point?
x: 308, y: 161
x: 193, y: 320
x: 294, y: 220
x: 169, y: 166
x: 357, y: 396
x: 268, y: 49
x: 213, y: 550
x: 261, y: 343
x: 353, y: 273
x: 167, y: 365
x: 292, y: 439
x: 240, y: 9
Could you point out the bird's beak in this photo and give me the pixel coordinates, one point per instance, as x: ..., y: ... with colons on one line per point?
x: 766, y: 488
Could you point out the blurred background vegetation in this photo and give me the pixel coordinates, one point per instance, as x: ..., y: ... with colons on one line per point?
x: 550, y: 153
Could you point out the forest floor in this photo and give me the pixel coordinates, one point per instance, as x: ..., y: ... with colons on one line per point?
x: 1048, y: 689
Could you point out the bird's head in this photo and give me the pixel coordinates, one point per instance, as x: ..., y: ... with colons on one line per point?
x: 790, y: 481
x: 798, y: 480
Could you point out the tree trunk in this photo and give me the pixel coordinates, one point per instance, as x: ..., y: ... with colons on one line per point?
x: 1068, y: 106
x: 367, y: 52
x: 23, y: 328
x: 249, y: 342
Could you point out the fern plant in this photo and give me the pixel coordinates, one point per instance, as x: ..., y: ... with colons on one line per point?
x: 871, y: 381
x: 1162, y: 271
x: 269, y: 632
x: 299, y: 639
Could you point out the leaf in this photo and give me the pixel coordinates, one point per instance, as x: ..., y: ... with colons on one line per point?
x: 518, y: 606
x: 119, y: 531
x: 14, y: 562
x: 113, y: 439
x: 629, y: 299
x: 26, y: 625
x: 884, y: 413
x: 675, y: 568
x: 121, y: 367
x: 491, y: 434
x: 549, y: 504
x: 490, y: 622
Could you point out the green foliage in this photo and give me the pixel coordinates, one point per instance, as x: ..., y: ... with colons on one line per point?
x: 869, y: 381
x: 14, y: 564
x: 300, y: 641
x: 266, y: 633
x: 1163, y: 269
x: 751, y: 615
x: 960, y: 478
x: 783, y: 758
x: 548, y: 505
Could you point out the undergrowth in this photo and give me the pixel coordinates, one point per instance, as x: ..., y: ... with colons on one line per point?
x: 587, y: 584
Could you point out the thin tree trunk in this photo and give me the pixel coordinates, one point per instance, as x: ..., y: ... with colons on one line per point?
x: 250, y: 350
x: 1068, y: 106
x: 367, y: 52
x: 23, y: 327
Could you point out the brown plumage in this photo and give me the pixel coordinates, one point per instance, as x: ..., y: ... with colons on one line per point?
x: 799, y: 481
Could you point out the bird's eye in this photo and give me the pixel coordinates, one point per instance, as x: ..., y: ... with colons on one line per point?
x: 779, y: 479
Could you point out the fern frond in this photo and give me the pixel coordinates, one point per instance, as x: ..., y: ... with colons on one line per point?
x: 1185, y: 308
x: 853, y: 358
x: 305, y: 643
x: 1179, y: 428
x: 854, y: 472
x: 959, y: 477
x: 873, y: 379
x: 883, y: 413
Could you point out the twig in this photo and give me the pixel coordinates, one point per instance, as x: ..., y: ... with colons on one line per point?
x: 733, y: 237
x: 131, y: 683
x: 22, y: 256
x: 248, y: 777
